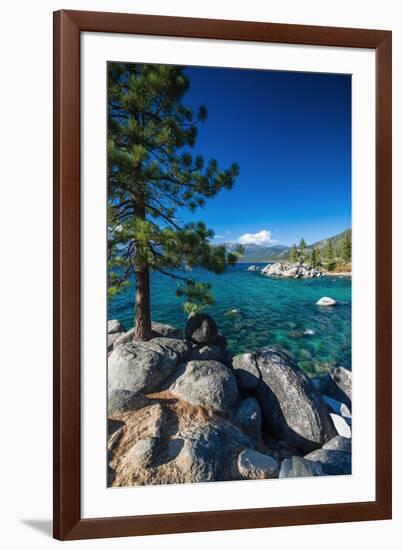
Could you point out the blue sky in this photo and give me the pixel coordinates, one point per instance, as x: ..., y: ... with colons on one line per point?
x: 290, y: 133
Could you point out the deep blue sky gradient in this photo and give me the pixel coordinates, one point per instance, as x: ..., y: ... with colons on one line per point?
x: 290, y: 133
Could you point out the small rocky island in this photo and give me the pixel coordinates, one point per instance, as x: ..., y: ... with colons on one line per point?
x: 295, y: 271
x: 181, y: 409
x: 298, y: 270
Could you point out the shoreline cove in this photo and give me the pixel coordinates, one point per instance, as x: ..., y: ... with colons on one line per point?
x: 256, y: 311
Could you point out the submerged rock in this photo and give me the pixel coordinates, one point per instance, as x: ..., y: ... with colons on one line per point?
x: 332, y: 462
x: 254, y: 465
x: 294, y: 410
x: 297, y: 466
x: 230, y: 312
x: 208, y: 383
x: 201, y: 329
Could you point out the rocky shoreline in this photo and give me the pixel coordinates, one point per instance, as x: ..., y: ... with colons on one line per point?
x: 181, y: 410
x: 295, y: 271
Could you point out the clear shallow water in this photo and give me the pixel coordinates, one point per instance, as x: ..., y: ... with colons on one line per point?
x: 254, y: 311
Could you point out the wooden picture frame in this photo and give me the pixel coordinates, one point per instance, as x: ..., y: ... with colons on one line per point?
x: 68, y: 524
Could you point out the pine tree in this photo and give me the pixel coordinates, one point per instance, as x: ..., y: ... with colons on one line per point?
x: 347, y: 247
x: 331, y: 263
x: 313, y: 259
x: 151, y: 175
x: 293, y: 254
x: 318, y: 262
x: 302, y: 250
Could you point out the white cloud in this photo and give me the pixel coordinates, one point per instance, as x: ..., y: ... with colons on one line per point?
x: 263, y: 237
x: 219, y: 237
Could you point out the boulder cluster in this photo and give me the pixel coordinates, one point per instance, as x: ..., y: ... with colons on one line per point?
x: 181, y: 409
x: 292, y: 271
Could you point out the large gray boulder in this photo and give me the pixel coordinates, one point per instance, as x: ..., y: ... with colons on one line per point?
x: 120, y: 401
x: 332, y: 462
x: 158, y: 330
x: 210, y: 452
x: 141, y: 366
x: 174, y: 442
x: 205, y: 353
x: 201, y: 329
x: 273, y: 270
x: 206, y: 383
x: 174, y: 345
x: 124, y: 338
x: 255, y: 465
x: 339, y: 443
x: 342, y: 379
x: 114, y: 326
x: 297, y: 466
x: 246, y: 371
x: 114, y: 331
x: 167, y: 331
x: 294, y: 410
x: 112, y: 338
x: 248, y: 417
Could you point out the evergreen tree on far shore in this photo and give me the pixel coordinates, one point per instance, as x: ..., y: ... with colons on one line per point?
x: 318, y: 257
x: 302, y: 250
x: 347, y: 247
x: 293, y: 254
x: 331, y: 263
x: 313, y: 259
x: 152, y: 176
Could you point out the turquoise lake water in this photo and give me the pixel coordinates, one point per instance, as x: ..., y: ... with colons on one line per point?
x: 254, y: 311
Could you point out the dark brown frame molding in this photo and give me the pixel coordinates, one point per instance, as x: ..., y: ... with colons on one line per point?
x: 68, y: 26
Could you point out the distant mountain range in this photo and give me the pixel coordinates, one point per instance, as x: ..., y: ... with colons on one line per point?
x: 256, y: 253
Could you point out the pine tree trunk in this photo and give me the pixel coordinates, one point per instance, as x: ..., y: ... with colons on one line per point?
x: 142, y: 320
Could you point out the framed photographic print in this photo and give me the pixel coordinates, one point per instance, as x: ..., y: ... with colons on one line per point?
x: 222, y: 308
